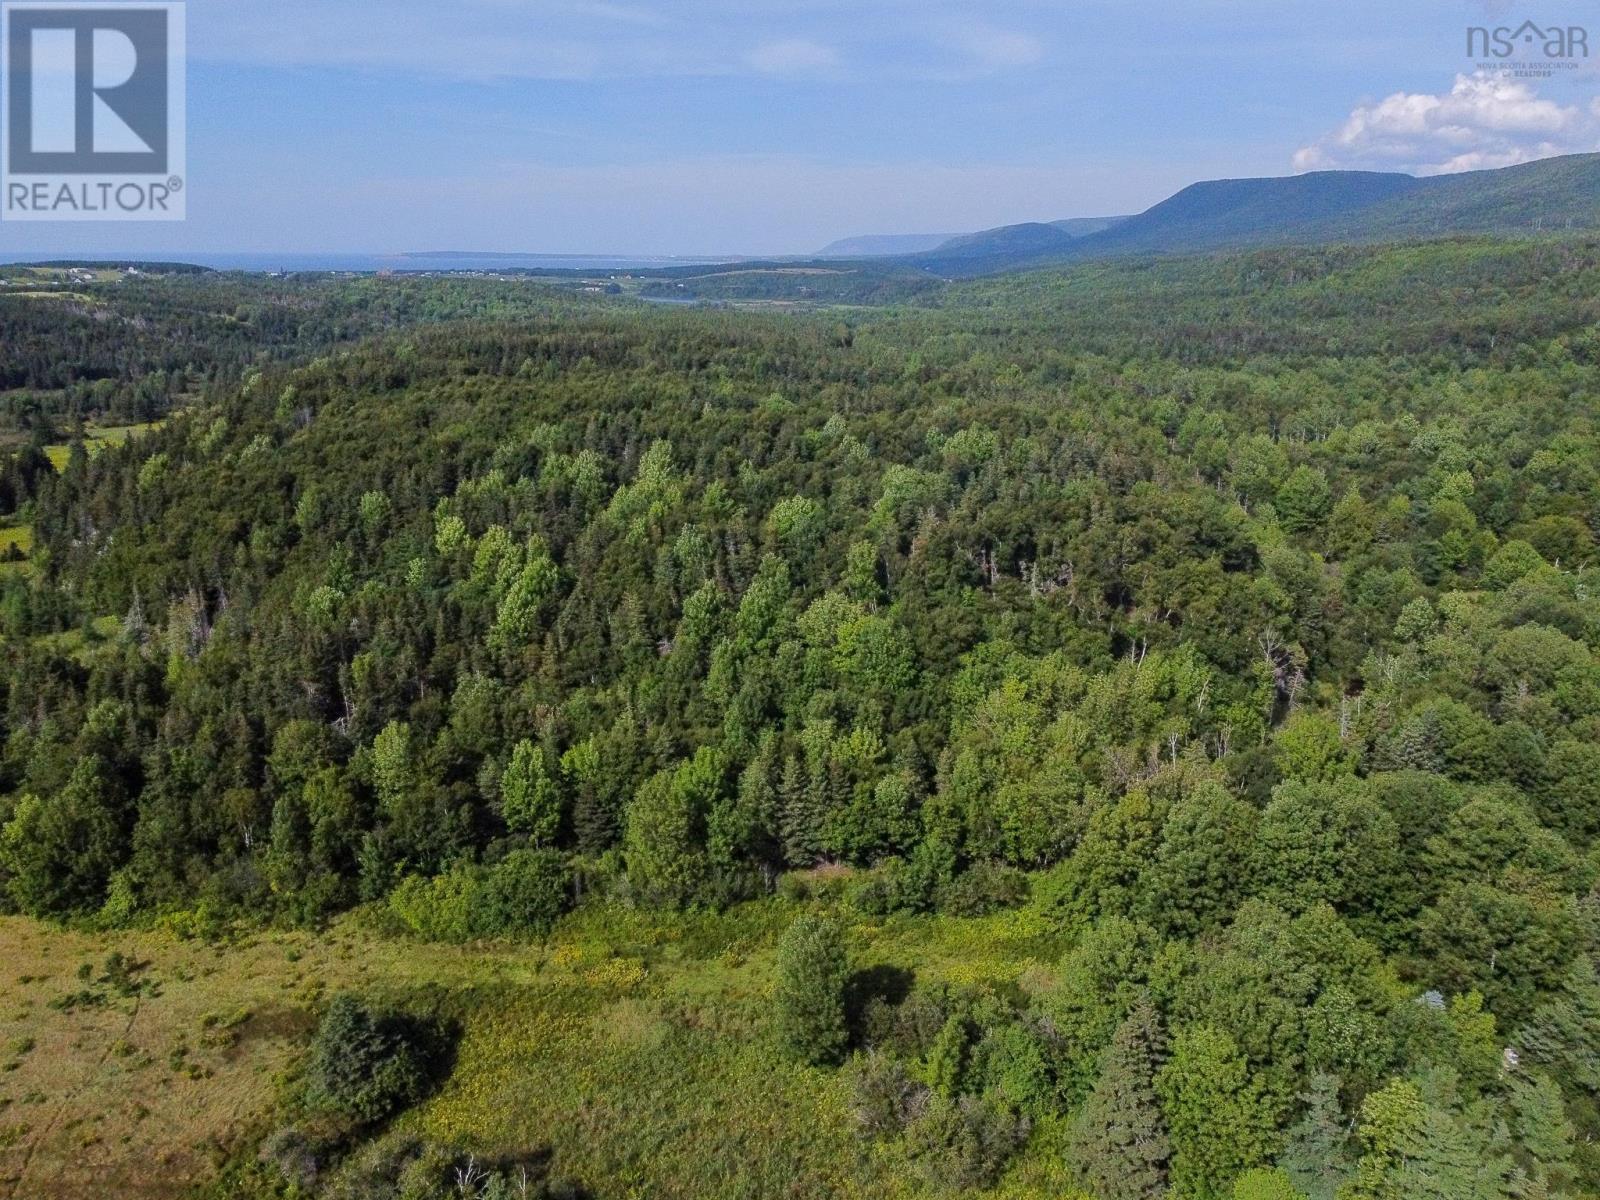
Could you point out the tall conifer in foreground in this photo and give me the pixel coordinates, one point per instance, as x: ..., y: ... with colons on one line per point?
x: 1120, y: 1143
x: 812, y: 972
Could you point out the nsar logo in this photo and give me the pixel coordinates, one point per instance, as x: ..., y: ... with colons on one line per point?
x: 1529, y: 41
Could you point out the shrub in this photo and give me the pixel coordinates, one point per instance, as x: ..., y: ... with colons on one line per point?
x: 523, y: 893
x: 965, y: 1143
x: 813, y: 970
x: 946, y: 1067
x: 893, y: 886
x: 1260, y: 1183
x: 365, y: 1063
x: 295, y: 1155
x: 910, y: 1029
x: 437, y: 909
x: 1014, y: 1062
x: 886, y: 1097
x: 983, y: 888
x: 396, y: 1167
x: 827, y: 884
x: 876, y: 893
x: 794, y: 888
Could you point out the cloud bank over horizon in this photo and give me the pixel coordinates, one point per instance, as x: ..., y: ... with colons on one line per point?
x: 1484, y: 121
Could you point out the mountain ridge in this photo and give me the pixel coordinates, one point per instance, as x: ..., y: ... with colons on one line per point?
x: 1320, y: 207
x: 884, y: 245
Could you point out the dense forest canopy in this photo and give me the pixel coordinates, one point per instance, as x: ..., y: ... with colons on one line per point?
x: 129, y: 345
x: 1240, y: 611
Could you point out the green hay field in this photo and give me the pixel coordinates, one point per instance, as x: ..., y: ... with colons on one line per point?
x: 635, y: 1049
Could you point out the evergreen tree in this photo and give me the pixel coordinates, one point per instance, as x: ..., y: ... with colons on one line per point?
x: 1417, y: 1150
x: 741, y: 829
x: 799, y: 816
x: 287, y: 862
x: 1302, y: 501
x: 1316, y: 1153
x: 1563, y: 1034
x: 813, y: 969
x: 1539, y: 1122
x: 1120, y: 1146
x: 364, y: 1062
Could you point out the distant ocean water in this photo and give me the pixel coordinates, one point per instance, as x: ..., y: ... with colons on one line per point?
x: 435, y: 261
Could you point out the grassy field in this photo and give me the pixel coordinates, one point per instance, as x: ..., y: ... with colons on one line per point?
x: 97, y: 438
x: 79, y: 297
x: 635, y: 1049
x: 22, y: 275
x: 20, y: 537
x: 80, y: 642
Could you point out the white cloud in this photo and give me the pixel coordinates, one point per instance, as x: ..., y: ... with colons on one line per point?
x: 1484, y: 120
x: 994, y: 49
x: 793, y: 56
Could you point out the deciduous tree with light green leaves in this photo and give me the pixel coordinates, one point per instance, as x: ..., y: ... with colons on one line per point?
x: 1220, y: 1119
x: 666, y: 829
x: 530, y: 795
x: 57, y: 853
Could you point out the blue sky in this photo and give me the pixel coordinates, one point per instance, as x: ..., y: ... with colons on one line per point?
x: 775, y: 126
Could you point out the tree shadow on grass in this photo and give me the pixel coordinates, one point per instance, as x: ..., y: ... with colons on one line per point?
x: 870, y: 995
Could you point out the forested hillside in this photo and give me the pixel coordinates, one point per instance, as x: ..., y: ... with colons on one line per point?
x: 1232, y: 622
x: 1319, y: 208
x: 130, y: 346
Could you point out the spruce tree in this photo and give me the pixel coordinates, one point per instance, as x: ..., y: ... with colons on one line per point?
x: 1563, y: 1033
x: 1316, y: 1153
x: 594, y: 816
x: 1539, y: 1122
x: 1120, y: 1144
x: 799, y: 820
x: 364, y: 1062
x: 746, y: 829
x: 1417, y: 1150
x: 813, y: 969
